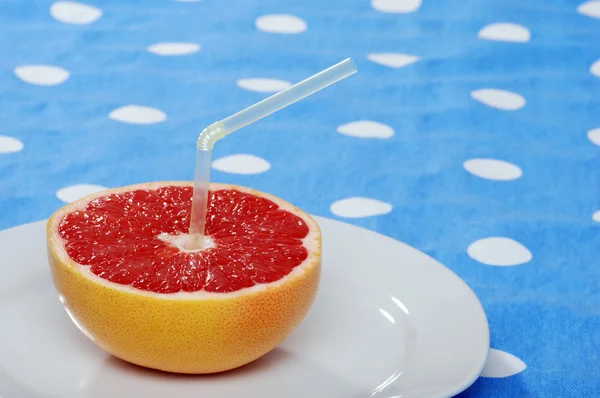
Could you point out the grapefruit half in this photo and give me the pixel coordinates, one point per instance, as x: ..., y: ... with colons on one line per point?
x: 119, y: 263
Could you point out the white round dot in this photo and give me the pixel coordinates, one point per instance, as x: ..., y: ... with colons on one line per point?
x: 42, y: 75
x: 499, y: 251
x: 73, y: 192
x: 493, y: 169
x: 499, y: 99
x: 596, y: 216
x: 590, y: 9
x: 241, y: 164
x: 393, y: 60
x: 169, y: 49
x: 396, y: 6
x: 281, y: 23
x: 505, y: 32
x: 137, y: 114
x: 358, y: 207
x: 187, y: 1
x: 74, y: 12
x: 10, y: 144
x: 263, y: 85
x: 502, y: 364
x: 595, y: 68
x: 366, y: 129
x: 594, y: 136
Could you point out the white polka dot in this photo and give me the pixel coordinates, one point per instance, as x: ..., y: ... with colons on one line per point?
x: 500, y: 99
x: 137, y: 114
x: 595, y: 68
x: 263, y: 85
x: 281, y: 23
x: 360, y: 207
x: 366, y: 129
x: 173, y: 48
x: 502, y: 364
x: 499, y: 251
x: 241, y: 164
x: 596, y: 216
x: 396, y: 6
x: 42, y: 75
x: 493, y: 169
x: 10, y: 144
x: 594, y: 136
x: 590, y: 8
x: 73, y: 192
x: 74, y: 13
x: 393, y: 60
x: 505, y: 32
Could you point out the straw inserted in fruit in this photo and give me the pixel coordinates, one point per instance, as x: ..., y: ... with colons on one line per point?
x: 220, y: 129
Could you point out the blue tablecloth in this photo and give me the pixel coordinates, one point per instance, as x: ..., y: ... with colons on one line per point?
x: 471, y: 132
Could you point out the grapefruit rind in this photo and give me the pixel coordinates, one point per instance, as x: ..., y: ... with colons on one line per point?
x: 185, y: 332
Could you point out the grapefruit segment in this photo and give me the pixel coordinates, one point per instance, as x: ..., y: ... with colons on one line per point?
x: 119, y: 263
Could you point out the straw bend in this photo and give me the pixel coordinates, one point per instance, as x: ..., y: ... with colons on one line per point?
x: 210, y: 135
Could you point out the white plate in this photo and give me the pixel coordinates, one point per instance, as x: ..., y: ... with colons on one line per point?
x: 388, y: 321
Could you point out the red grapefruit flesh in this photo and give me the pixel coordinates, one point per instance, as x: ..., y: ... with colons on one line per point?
x: 119, y: 237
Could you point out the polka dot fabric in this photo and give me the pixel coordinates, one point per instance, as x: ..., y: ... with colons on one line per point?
x: 471, y: 132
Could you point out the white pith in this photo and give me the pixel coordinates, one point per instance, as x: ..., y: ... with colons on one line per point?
x: 182, y: 242
x: 312, y: 242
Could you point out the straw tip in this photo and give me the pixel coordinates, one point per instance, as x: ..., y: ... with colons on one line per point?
x: 352, y: 64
